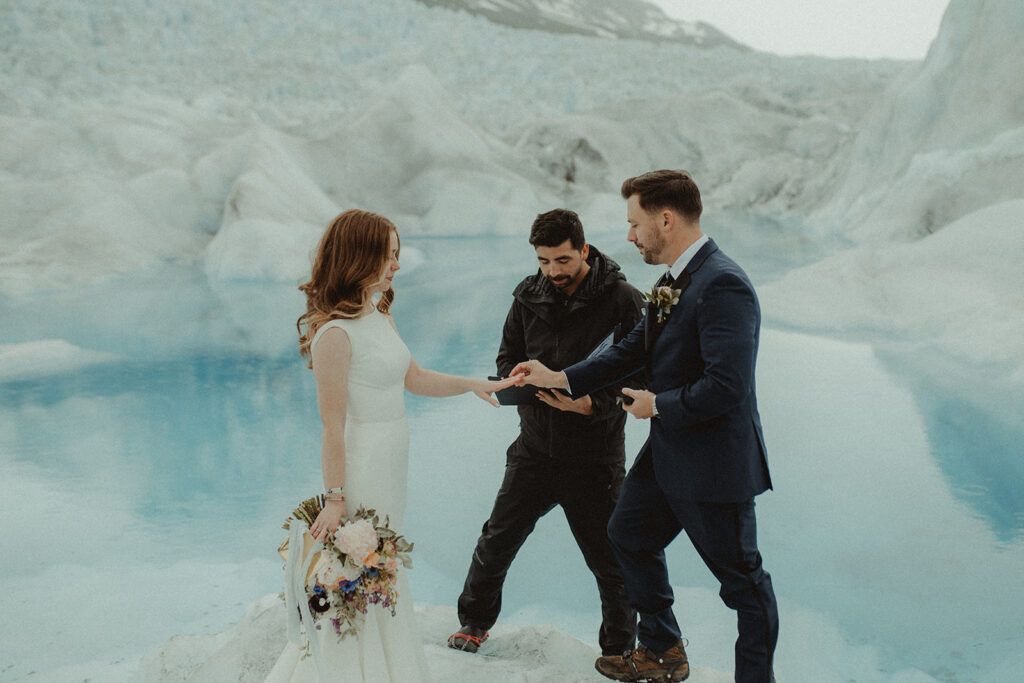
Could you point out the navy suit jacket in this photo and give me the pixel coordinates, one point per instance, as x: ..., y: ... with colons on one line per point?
x: 706, y: 443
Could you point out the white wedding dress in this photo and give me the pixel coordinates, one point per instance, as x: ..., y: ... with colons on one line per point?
x: 387, y: 648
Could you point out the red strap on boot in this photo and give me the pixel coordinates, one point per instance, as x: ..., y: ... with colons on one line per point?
x: 473, y: 639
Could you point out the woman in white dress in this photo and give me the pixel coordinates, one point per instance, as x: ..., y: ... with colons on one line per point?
x: 362, y: 368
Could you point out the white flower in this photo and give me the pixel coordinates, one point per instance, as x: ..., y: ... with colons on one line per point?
x: 351, y: 571
x: 331, y: 571
x: 356, y: 539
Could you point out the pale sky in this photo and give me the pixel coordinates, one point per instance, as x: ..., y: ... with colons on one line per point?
x: 902, y: 29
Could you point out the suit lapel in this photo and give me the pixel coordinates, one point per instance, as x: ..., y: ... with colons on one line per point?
x: 682, y: 282
x: 649, y: 327
x: 652, y: 328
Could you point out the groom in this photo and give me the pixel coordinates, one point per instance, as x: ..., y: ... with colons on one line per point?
x: 704, y: 460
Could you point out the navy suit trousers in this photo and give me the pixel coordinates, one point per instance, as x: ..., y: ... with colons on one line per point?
x: 645, y: 521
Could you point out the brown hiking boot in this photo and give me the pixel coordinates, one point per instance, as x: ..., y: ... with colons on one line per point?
x: 643, y: 664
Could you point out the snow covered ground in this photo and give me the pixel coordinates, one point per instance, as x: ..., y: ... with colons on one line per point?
x: 247, y: 651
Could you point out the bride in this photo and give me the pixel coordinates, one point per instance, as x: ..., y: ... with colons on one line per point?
x: 362, y: 368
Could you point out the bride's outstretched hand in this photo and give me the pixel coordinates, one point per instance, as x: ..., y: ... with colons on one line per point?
x: 328, y: 520
x: 485, y: 388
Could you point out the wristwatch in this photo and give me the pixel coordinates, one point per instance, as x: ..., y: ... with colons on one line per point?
x: 654, y: 408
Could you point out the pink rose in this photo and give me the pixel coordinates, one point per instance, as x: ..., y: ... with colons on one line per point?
x: 357, y: 539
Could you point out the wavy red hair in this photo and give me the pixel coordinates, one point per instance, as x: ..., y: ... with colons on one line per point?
x: 350, y: 261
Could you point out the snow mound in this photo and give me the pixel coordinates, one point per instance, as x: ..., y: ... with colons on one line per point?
x: 247, y: 651
x: 125, y: 150
x: 436, y: 173
x: 955, y: 293
x: 273, y: 216
x: 637, y: 19
x: 947, y: 138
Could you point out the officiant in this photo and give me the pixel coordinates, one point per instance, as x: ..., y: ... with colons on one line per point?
x: 569, y: 452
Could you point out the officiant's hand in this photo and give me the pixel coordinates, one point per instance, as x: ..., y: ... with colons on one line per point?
x: 642, y: 406
x: 329, y: 519
x: 556, y: 399
x: 536, y: 373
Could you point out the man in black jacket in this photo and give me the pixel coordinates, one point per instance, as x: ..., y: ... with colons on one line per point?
x: 569, y: 452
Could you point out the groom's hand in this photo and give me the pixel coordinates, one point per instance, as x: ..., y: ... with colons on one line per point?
x: 556, y: 399
x: 536, y: 373
x: 642, y: 406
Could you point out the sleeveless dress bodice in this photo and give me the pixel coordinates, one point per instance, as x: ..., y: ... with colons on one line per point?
x: 376, y: 376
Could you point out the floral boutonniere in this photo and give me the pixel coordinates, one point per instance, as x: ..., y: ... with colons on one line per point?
x: 663, y: 298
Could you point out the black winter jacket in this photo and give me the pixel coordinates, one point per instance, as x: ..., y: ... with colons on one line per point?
x: 545, y: 324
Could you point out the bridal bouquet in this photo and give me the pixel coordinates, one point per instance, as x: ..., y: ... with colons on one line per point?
x: 357, y: 567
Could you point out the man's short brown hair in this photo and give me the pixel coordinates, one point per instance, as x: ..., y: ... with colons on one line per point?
x: 665, y: 189
x: 553, y: 228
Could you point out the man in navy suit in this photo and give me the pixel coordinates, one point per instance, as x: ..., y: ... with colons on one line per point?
x: 704, y: 460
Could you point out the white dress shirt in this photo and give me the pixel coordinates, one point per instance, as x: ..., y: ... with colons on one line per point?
x: 676, y: 269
